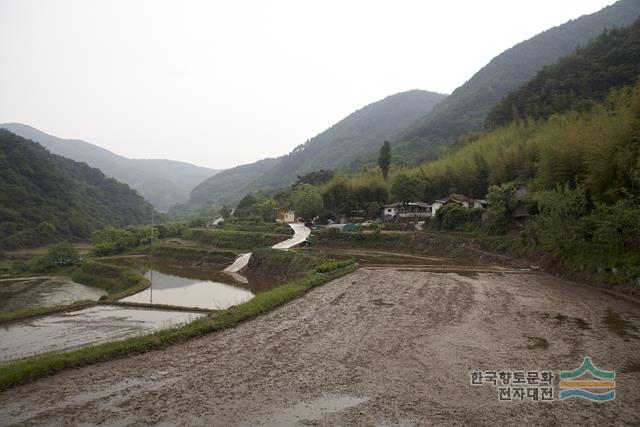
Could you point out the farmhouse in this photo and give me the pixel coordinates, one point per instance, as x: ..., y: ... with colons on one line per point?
x: 283, y: 215
x: 460, y: 200
x: 411, y: 210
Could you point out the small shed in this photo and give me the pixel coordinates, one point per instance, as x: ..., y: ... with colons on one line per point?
x: 283, y: 215
x: 280, y: 214
x: 290, y: 217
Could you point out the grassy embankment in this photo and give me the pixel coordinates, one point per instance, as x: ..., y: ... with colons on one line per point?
x: 234, y: 239
x: 478, y: 247
x: 318, y: 272
x: 199, y: 255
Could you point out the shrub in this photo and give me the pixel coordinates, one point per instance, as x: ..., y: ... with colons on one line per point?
x: 456, y: 217
x: 111, y: 278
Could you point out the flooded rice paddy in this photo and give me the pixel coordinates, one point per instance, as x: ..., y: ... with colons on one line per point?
x: 26, y: 292
x: 168, y: 289
x: 184, y: 285
x: 173, y: 284
x: 66, y: 331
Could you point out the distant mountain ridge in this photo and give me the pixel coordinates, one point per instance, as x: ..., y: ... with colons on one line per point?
x: 422, y: 139
x: 466, y: 108
x: 340, y: 146
x: 45, y: 197
x: 578, y: 81
x: 162, y: 182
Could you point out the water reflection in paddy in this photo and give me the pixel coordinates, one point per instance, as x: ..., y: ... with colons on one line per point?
x: 186, y: 285
x: 168, y: 289
x: 20, y: 293
x: 66, y: 331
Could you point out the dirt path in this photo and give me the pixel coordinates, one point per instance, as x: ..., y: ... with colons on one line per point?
x: 380, y: 346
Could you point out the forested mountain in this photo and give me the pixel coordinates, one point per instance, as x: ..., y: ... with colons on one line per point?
x: 423, y: 138
x: 45, y: 197
x: 338, y: 147
x: 577, y: 81
x: 466, y: 109
x: 163, y: 182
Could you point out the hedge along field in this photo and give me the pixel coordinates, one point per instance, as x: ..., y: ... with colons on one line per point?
x: 244, y: 240
x: 25, y: 370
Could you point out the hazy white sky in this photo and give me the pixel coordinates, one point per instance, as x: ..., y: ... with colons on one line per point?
x: 223, y: 83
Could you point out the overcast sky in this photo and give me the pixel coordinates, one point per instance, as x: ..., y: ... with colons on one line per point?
x: 224, y: 83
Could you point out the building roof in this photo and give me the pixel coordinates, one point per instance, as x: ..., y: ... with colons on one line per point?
x: 399, y: 204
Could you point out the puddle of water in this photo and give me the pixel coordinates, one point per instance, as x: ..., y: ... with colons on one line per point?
x: 305, y: 412
x: 44, y: 291
x: 619, y: 325
x: 66, y: 331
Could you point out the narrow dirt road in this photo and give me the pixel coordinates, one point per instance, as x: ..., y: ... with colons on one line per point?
x: 382, y: 346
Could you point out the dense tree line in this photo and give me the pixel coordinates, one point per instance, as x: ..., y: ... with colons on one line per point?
x: 578, y: 81
x: 46, y: 198
x: 466, y: 108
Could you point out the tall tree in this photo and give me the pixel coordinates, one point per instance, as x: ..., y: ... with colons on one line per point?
x: 384, y: 159
x: 306, y: 201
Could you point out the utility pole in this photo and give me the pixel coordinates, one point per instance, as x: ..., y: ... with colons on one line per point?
x: 151, y: 260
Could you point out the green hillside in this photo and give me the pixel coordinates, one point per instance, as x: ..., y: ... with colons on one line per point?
x: 227, y: 185
x: 45, y: 197
x: 466, y: 109
x: 162, y: 182
x: 338, y: 147
x: 577, y: 81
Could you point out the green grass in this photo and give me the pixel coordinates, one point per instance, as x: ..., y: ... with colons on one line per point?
x: 117, y: 281
x: 25, y: 370
x: 194, y: 253
x: 227, y: 239
x: 330, y: 266
x: 283, y: 266
x: 373, y: 240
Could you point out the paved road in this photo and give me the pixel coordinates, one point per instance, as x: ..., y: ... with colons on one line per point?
x: 301, y: 232
x: 382, y: 346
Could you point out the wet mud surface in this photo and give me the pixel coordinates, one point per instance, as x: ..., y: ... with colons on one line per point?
x: 381, y: 346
